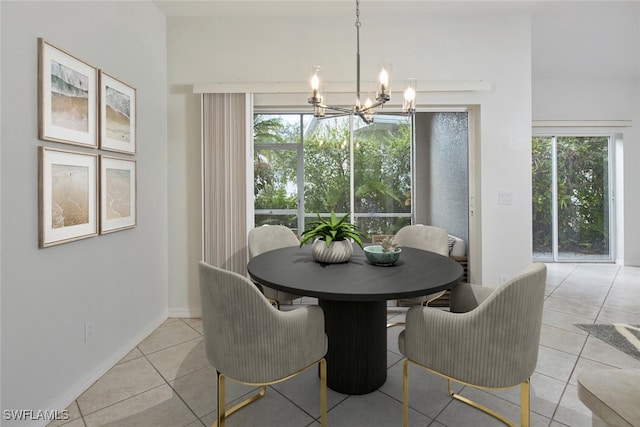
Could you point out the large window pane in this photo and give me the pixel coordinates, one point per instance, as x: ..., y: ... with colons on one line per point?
x: 382, y: 181
x: 275, y: 162
x: 583, y: 197
x: 542, y: 182
x: 571, y: 201
x: 302, y: 166
x: 327, y: 166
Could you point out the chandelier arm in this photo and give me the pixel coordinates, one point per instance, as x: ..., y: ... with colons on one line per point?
x: 336, y: 108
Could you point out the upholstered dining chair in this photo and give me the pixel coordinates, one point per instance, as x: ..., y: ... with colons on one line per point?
x: 257, y: 345
x: 489, y: 339
x: 427, y: 238
x: 268, y: 238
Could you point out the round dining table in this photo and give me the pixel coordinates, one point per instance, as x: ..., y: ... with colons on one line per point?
x: 354, y: 298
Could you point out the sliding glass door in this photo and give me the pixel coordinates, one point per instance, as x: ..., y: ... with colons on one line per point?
x: 572, y: 203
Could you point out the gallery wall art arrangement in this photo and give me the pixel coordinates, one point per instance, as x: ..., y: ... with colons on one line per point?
x: 81, y: 193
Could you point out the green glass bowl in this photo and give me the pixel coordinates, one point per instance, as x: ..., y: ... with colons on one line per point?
x: 376, y: 255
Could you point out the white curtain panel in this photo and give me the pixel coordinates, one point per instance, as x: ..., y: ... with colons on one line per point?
x: 227, y: 134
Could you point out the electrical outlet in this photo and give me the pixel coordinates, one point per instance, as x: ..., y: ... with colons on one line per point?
x: 89, y: 330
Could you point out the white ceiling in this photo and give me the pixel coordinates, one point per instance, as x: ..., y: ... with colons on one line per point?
x: 575, y: 39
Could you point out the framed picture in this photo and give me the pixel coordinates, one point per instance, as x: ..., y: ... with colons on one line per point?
x: 67, y: 97
x: 117, y: 194
x: 68, y: 205
x: 117, y: 115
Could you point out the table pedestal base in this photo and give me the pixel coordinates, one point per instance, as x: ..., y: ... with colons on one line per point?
x: 357, y: 354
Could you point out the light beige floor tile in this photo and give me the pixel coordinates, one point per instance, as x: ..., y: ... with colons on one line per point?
x: 571, y: 410
x: 158, y: 407
x: 373, y: 410
x: 194, y: 323
x: 545, y: 393
x: 563, y: 320
x: 198, y: 390
x: 555, y: 363
x: 589, y: 296
x: 133, y: 354
x: 623, y: 301
x: 427, y: 391
x: 121, y: 382
x: 561, y: 339
x: 572, y: 306
x: 586, y: 365
x: 273, y: 410
x: 599, y: 351
x: 73, y: 414
x: 608, y: 315
x: 79, y: 422
x: 179, y: 360
x: 170, y: 333
x: 459, y: 414
x: 304, y: 391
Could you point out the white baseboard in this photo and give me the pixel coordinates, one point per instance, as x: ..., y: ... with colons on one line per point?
x: 185, y: 312
x: 66, y: 398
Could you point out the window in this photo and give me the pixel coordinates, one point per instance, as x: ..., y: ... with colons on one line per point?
x: 571, y: 198
x: 303, y: 165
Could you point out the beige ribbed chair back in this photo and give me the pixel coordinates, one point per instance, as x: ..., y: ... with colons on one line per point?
x: 268, y: 238
x: 492, y: 345
x: 428, y: 238
x: 249, y: 341
x: 425, y: 237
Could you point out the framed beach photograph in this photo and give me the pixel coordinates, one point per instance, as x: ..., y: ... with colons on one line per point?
x: 67, y: 97
x: 117, y: 194
x: 117, y: 115
x: 68, y: 205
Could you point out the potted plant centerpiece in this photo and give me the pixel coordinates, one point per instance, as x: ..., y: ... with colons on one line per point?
x: 330, y: 238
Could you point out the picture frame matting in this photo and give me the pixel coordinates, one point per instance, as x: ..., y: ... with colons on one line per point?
x: 118, y: 194
x: 67, y: 97
x: 68, y: 202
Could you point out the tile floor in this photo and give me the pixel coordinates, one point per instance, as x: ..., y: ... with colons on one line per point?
x: 167, y: 381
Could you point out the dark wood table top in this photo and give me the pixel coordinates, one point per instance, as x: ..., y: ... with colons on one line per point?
x: 294, y: 270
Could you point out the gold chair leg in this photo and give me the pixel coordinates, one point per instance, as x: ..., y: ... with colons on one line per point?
x: 482, y: 408
x: 405, y: 393
x: 323, y: 393
x: 392, y: 324
x: 224, y: 414
x: 525, y: 403
x: 438, y: 295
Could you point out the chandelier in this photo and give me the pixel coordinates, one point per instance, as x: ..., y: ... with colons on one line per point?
x: 367, y: 110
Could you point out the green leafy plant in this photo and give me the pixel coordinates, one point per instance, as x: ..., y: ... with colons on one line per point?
x: 332, y: 229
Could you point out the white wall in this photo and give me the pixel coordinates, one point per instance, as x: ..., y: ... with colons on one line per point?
x: 602, y: 99
x: 587, y: 67
x: 118, y: 281
x: 435, y: 47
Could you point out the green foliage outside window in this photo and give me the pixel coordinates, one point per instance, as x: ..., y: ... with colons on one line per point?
x: 382, y: 169
x: 583, y: 194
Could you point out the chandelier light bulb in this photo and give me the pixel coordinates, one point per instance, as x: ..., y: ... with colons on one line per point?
x: 315, y: 84
x: 408, y: 105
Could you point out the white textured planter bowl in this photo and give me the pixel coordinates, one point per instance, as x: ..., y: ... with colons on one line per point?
x: 337, y: 252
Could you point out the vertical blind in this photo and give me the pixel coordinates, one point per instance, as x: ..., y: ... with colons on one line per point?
x: 227, y: 133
